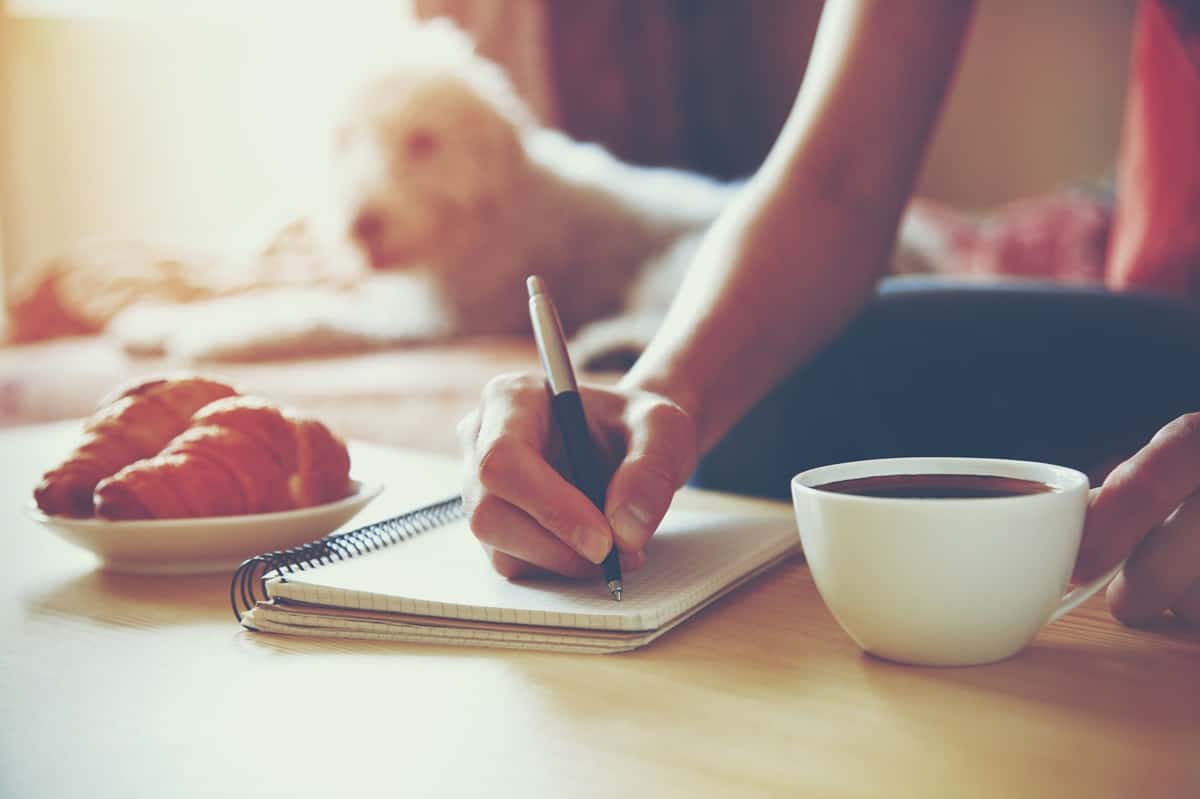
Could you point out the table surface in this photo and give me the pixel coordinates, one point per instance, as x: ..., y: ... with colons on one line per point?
x: 119, y: 685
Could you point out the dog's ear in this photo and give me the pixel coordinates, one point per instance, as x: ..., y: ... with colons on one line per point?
x: 502, y: 141
x: 500, y: 155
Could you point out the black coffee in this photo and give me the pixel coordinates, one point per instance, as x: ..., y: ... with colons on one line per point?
x: 937, y: 486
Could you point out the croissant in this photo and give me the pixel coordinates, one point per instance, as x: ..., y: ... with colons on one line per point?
x: 240, y: 455
x: 133, y: 423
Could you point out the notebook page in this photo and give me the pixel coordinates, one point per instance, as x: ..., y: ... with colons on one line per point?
x: 444, y: 573
x: 313, y: 620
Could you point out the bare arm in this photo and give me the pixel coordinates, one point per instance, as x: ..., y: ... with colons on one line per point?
x: 783, y: 269
x: 788, y: 264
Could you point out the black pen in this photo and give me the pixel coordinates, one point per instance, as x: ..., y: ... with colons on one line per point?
x: 587, y: 472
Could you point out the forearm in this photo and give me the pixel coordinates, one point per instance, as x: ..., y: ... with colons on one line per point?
x: 801, y: 249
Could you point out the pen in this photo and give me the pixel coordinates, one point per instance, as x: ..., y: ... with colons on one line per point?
x: 587, y: 473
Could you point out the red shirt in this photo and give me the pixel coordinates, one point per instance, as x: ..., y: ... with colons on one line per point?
x: 1156, y: 240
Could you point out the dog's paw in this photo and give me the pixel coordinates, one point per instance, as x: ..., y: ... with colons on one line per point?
x: 270, y: 324
x: 282, y: 323
x: 143, y: 329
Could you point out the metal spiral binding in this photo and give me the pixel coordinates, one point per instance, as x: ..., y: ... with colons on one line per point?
x: 254, y: 572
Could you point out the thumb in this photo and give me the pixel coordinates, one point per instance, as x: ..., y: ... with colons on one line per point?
x: 660, y: 457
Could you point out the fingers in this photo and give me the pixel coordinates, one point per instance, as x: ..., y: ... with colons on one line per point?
x: 514, y: 568
x: 1139, y: 494
x: 518, y: 505
x: 1187, y: 607
x: 1162, y: 570
x: 528, y: 517
x: 516, y: 473
x: 505, y: 529
x: 661, y: 454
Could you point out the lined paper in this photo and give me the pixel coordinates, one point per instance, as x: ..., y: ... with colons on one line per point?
x: 445, y: 574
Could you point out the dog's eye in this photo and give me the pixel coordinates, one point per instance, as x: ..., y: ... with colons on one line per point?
x: 420, y: 144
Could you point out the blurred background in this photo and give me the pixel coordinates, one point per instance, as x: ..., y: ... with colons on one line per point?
x: 204, y: 124
x: 196, y: 124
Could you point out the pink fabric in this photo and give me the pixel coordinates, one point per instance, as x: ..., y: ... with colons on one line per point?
x: 1058, y: 237
x: 1156, y: 243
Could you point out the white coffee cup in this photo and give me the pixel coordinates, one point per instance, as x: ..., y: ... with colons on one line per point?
x: 944, y: 582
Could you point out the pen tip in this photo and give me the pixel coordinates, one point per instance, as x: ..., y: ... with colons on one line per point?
x: 535, y: 285
x: 616, y: 589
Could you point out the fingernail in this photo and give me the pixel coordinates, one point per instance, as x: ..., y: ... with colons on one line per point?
x: 631, y: 525
x: 593, y: 543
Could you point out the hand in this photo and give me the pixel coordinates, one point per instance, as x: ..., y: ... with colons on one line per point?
x: 1149, y: 508
x: 528, y: 517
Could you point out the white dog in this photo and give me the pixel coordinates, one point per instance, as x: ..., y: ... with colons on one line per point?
x: 446, y: 175
x: 447, y: 194
x: 450, y: 194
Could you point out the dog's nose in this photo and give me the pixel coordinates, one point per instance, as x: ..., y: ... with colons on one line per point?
x: 367, y: 227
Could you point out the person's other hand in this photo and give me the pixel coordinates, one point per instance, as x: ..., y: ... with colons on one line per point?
x: 528, y: 517
x: 1149, y: 508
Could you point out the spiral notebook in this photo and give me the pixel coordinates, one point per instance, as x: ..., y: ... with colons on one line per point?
x: 421, y: 577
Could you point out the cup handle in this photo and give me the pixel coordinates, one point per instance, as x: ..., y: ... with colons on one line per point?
x: 1080, y: 594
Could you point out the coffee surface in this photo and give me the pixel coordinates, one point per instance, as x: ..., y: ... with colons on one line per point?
x: 936, y: 486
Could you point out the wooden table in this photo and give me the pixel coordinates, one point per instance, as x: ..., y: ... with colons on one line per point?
x: 128, y: 686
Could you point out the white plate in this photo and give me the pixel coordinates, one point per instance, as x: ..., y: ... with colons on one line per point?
x: 217, y: 543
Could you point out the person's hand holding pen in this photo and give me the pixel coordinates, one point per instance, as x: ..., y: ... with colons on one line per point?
x: 784, y: 267
x: 529, y: 517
